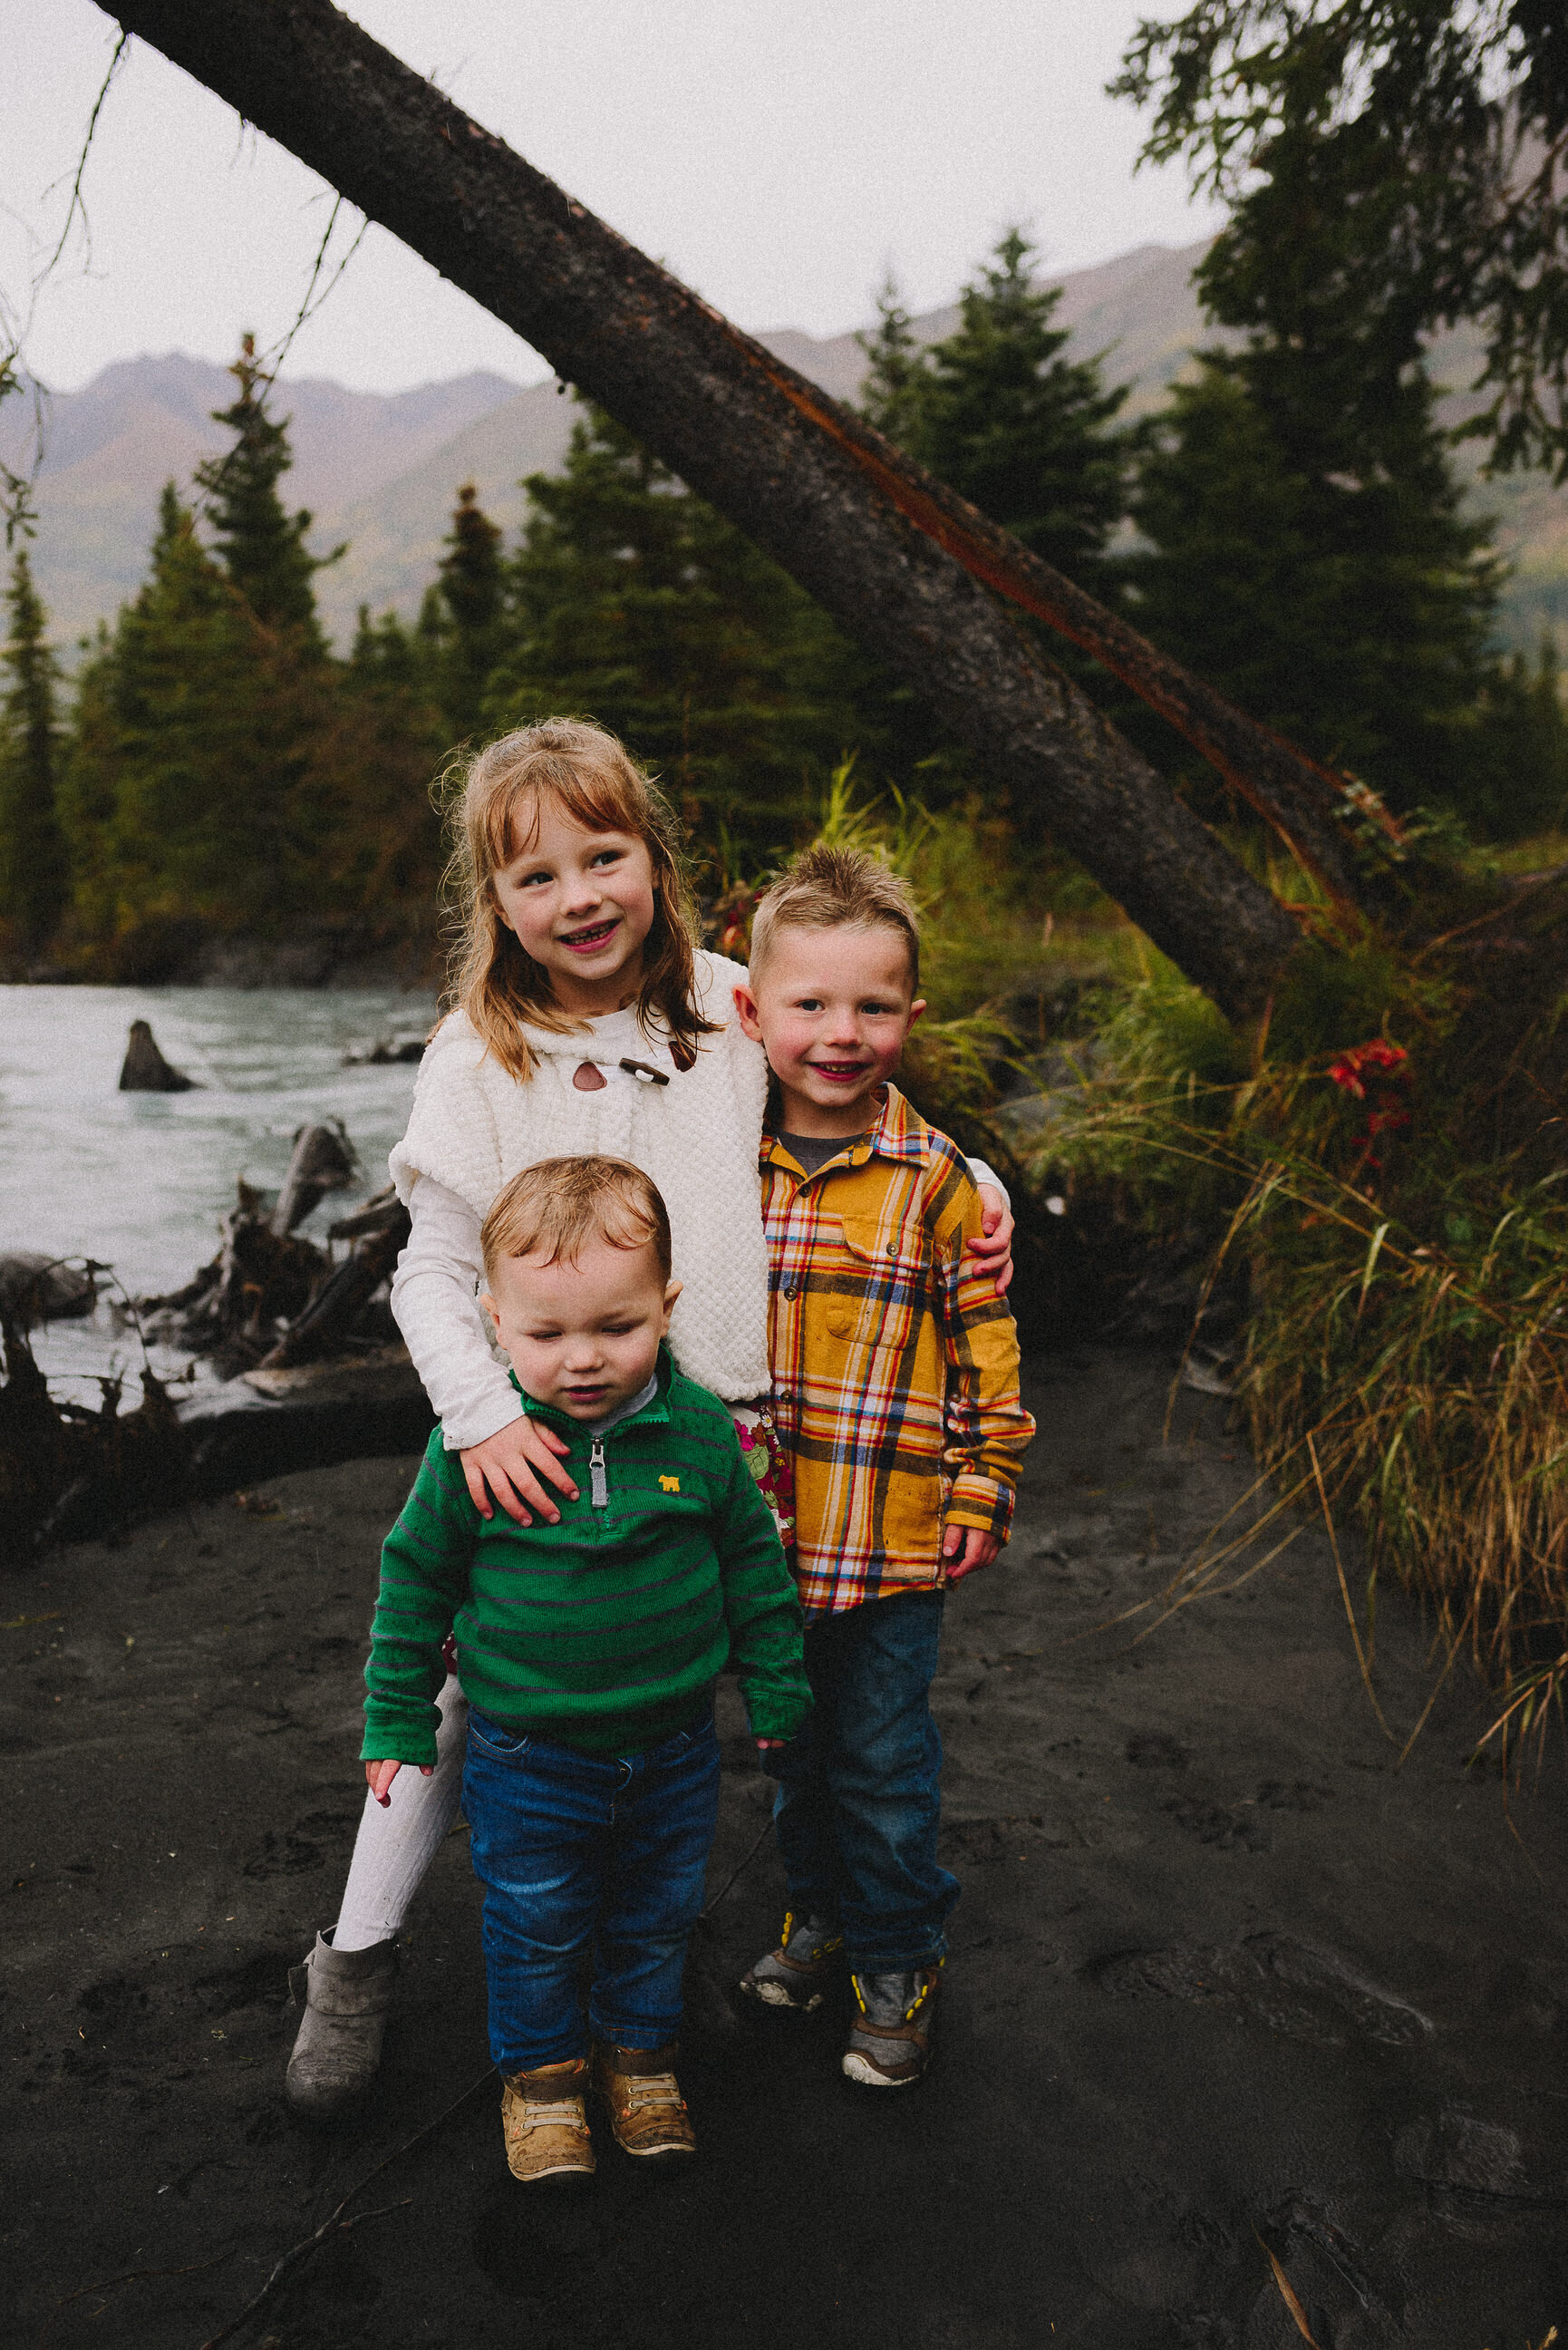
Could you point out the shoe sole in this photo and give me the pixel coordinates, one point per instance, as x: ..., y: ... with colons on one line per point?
x: 866, y: 2076
x: 568, y: 2173
x: 779, y: 1998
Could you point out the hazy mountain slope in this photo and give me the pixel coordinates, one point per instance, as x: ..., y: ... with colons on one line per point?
x: 1138, y: 308
x: 108, y: 449
x: 382, y: 471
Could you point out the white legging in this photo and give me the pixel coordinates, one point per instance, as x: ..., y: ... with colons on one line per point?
x: 395, y: 1847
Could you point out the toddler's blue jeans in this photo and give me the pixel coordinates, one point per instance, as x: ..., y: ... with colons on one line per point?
x: 858, y: 1803
x: 583, y: 1854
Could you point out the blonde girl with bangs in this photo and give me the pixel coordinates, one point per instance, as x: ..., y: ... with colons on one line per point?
x: 586, y: 1021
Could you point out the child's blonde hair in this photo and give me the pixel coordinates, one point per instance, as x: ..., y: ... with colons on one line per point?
x: 828, y: 889
x: 553, y: 1207
x: 592, y: 780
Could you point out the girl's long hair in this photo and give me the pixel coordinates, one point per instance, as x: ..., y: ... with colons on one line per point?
x: 590, y: 777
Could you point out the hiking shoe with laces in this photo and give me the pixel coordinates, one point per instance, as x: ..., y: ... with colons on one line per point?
x: 646, y: 2110
x: 890, y: 2041
x: 544, y: 2126
x: 796, y: 1975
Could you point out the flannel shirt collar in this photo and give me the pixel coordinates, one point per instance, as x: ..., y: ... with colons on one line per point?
x: 898, y: 1134
x: 651, y: 1414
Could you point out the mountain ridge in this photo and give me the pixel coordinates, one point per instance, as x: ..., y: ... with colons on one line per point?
x: 381, y: 470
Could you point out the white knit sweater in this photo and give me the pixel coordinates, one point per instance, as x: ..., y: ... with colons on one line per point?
x: 473, y: 1127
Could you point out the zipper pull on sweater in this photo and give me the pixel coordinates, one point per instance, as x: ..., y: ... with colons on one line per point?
x: 598, y: 1484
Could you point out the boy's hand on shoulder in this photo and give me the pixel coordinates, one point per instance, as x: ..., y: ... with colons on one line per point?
x: 378, y: 1778
x: 965, y: 1548
x: 505, y: 1467
x: 991, y: 1249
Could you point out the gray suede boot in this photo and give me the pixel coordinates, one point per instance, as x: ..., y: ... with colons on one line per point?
x: 346, y: 1995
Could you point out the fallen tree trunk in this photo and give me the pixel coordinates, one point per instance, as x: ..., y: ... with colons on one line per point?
x: 744, y: 432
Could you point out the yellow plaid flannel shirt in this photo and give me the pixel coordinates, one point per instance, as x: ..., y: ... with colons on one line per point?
x: 895, y: 1365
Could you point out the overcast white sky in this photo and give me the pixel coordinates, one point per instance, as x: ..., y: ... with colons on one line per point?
x: 777, y: 154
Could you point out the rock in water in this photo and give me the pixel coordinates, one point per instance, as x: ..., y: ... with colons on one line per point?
x: 144, y: 1069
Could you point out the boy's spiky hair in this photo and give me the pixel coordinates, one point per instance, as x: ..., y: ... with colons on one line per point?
x: 826, y: 889
x: 553, y: 1208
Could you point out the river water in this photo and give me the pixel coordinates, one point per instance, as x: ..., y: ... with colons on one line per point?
x: 142, y: 1181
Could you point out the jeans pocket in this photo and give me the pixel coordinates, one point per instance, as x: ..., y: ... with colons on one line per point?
x: 506, y: 1745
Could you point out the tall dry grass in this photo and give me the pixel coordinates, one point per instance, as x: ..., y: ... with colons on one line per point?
x: 1405, y: 1360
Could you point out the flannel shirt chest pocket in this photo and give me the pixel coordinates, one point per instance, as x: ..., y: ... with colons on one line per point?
x: 880, y: 1283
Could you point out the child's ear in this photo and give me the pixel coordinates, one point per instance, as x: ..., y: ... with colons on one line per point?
x: 916, y: 1009
x: 488, y: 1303
x: 671, y: 1291
x: 746, y: 1012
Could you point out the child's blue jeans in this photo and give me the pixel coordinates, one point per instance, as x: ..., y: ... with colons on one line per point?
x: 581, y: 1853
x: 858, y: 1803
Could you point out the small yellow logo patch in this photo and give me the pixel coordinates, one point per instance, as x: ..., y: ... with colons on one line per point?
x: 670, y: 1484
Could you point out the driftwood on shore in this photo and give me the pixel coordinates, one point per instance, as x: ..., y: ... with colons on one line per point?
x: 270, y: 1298
x: 37, y: 1288
x: 144, y: 1069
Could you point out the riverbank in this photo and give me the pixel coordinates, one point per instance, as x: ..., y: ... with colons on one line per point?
x: 1223, y: 1971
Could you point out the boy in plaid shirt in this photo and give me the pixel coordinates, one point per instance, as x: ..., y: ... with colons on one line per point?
x: 895, y: 1391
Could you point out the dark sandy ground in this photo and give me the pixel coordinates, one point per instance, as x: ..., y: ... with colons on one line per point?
x: 1225, y: 1980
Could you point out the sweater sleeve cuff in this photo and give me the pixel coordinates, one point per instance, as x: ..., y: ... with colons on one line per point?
x: 482, y: 1420
x: 981, y: 1172
x: 980, y: 1502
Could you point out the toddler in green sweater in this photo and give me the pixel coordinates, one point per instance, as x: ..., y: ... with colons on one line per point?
x: 588, y: 1651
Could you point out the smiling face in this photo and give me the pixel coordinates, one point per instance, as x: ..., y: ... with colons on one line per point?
x: 581, y: 903
x: 832, y: 1008
x: 583, y: 1336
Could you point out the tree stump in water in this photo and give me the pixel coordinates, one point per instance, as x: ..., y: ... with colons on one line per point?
x: 322, y: 1162
x: 144, y: 1069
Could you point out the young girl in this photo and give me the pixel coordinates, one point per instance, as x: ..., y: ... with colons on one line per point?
x: 587, y: 1022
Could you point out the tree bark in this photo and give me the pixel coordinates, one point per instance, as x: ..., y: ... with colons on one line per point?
x: 746, y: 434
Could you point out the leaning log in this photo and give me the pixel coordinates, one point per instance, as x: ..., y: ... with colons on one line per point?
x: 144, y: 1069
x: 740, y: 429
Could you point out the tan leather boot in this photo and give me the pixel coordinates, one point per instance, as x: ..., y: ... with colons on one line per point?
x: 646, y: 2110
x: 544, y: 2126
x: 346, y: 1995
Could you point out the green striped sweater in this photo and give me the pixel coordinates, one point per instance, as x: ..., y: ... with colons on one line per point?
x: 608, y: 1631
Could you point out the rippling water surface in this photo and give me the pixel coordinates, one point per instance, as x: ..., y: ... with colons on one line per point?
x: 142, y: 1181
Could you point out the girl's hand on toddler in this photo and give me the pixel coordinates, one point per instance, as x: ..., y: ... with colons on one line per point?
x: 992, y: 1252
x: 378, y: 1778
x: 504, y: 1465
x: 964, y: 1548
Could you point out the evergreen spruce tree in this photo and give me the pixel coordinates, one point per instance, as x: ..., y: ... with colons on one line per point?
x: 1003, y: 417
x: 262, y: 546
x: 1320, y: 572
x: 34, y: 879
x: 186, y: 748
x: 1308, y: 548
x: 896, y: 375
x: 633, y: 603
x: 472, y: 587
